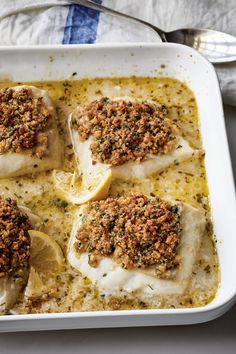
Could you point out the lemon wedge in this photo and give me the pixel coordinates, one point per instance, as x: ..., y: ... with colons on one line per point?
x: 46, y: 256
x: 95, y: 187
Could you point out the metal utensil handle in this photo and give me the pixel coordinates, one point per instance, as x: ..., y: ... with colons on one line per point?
x: 95, y: 6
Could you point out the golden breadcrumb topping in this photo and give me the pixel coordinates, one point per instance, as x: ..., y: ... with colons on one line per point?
x: 14, y: 237
x: 124, y: 131
x: 137, y: 231
x: 23, y: 122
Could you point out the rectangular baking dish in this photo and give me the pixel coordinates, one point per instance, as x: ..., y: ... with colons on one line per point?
x: 21, y: 64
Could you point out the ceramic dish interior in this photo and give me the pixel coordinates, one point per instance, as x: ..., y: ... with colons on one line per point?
x: 174, y: 61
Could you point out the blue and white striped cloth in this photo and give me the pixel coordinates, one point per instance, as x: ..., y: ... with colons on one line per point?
x: 81, y: 25
x: 55, y: 22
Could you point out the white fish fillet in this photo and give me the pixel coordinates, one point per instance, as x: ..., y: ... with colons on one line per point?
x: 128, y: 170
x: 142, y: 283
x: 16, y: 164
x: 10, y: 287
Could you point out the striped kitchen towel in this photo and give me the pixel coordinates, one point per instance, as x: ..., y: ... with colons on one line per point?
x: 56, y: 22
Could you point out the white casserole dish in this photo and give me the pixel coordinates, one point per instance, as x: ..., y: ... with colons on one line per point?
x: 21, y: 64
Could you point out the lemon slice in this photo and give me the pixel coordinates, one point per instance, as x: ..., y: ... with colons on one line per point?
x: 35, y: 285
x: 96, y: 186
x: 46, y: 256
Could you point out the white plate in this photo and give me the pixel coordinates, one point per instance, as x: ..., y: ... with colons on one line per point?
x: 59, y: 63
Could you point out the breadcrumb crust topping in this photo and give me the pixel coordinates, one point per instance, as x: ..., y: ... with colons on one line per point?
x: 135, y: 230
x: 124, y: 131
x: 14, y: 237
x: 23, y: 122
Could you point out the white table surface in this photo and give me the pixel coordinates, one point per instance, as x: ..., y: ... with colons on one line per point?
x: 216, y: 337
